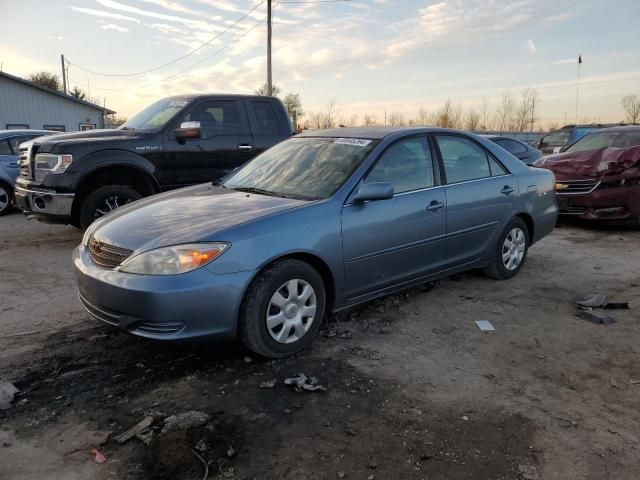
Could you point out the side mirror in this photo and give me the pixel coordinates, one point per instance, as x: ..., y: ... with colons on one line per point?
x: 188, y: 130
x: 374, y: 191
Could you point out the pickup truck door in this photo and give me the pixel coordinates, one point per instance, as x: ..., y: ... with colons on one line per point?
x: 225, y: 143
x: 266, y: 125
x: 481, y: 196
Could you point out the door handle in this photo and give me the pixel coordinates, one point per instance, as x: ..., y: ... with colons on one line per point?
x: 435, y: 206
x: 507, y: 190
x: 245, y: 148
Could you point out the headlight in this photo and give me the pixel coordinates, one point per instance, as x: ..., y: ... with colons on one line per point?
x: 47, y: 163
x: 174, y: 260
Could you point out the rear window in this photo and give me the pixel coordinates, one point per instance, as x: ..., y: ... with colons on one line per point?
x: 265, y: 117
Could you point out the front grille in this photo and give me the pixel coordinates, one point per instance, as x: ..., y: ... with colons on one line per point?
x: 25, y: 164
x: 576, y: 187
x: 105, y: 255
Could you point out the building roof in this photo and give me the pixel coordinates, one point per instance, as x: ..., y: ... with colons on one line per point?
x: 53, y: 92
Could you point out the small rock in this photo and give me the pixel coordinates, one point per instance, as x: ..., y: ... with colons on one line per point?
x: 341, y: 474
x: 7, y: 392
x: 248, y: 359
x: 287, y: 411
x: 371, y: 477
x: 465, y: 418
x: 231, y: 452
x: 268, y: 384
x: 372, y: 465
x: 184, y: 421
x: 528, y: 472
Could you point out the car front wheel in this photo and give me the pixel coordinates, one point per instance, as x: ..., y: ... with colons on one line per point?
x: 283, y: 309
x: 6, y: 197
x: 511, y: 251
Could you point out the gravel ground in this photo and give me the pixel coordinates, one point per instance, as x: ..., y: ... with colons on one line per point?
x: 413, y: 389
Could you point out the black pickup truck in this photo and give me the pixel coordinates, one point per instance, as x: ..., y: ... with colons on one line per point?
x: 178, y: 141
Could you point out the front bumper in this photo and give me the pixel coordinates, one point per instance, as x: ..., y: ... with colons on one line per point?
x: 44, y: 204
x: 615, y: 204
x: 198, y: 304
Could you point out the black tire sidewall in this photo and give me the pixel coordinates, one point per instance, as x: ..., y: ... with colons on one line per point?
x: 253, y: 327
x: 502, y: 271
x: 9, y: 191
x: 95, y: 198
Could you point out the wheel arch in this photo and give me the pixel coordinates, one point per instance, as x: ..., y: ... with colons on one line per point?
x: 528, y: 221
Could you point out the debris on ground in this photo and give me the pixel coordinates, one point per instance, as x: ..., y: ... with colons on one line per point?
x: 231, y: 452
x: 598, y: 300
x: 137, y: 429
x: 634, y: 382
x: 204, y: 464
x: 7, y: 392
x: 485, y: 325
x: 302, y: 382
x: 184, y: 421
x: 99, y: 458
x: 614, y: 384
x: 528, y: 472
x: 268, y: 384
x: 595, y: 318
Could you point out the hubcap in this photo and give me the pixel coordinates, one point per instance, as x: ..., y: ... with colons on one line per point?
x: 513, y: 249
x: 291, y: 311
x: 4, y: 198
x: 109, y: 204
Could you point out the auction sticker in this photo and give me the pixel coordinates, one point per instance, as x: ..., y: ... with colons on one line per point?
x: 358, y: 142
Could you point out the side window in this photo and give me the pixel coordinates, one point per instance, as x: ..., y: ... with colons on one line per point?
x: 512, y: 146
x: 407, y: 165
x: 5, y: 148
x: 16, y: 141
x: 218, y: 117
x: 496, y: 168
x: 463, y: 159
x: 266, y: 117
x: 556, y: 139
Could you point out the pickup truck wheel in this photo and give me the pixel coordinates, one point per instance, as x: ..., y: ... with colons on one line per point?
x: 510, y: 252
x: 104, y: 200
x: 6, y: 197
x: 283, y: 309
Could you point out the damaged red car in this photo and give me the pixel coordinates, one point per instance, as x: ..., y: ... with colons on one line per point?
x: 598, y: 177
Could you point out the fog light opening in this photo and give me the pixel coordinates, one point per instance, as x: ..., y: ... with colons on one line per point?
x: 603, y: 212
x: 39, y: 203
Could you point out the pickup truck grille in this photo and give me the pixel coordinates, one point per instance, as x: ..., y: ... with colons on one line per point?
x: 24, y: 161
x: 105, y: 255
x: 576, y: 187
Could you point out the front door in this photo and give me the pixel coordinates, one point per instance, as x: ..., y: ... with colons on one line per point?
x: 481, y: 194
x: 225, y: 143
x: 388, y: 242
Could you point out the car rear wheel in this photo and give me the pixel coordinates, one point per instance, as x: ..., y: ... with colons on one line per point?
x: 6, y: 197
x: 511, y: 251
x: 104, y: 200
x: 283, y: 309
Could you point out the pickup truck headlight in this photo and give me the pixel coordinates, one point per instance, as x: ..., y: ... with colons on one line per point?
x: 47, y: 163
x: 174, y: 260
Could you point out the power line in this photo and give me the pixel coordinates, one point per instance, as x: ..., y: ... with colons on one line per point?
x: 245, y: 15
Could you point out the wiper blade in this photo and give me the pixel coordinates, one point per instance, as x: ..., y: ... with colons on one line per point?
x: 259, y: 191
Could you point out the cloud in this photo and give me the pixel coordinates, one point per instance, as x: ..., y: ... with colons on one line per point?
x: 103, y: 14
x: 531, y: 47
x: 144, y: 13
x: 115, y: 28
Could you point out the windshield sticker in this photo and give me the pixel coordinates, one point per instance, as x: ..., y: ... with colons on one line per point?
x: 358, y: 142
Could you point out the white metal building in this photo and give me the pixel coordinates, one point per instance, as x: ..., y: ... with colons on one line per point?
x: 24, y: 104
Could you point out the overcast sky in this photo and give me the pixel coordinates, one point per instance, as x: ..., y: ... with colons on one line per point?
x: 368, y: 55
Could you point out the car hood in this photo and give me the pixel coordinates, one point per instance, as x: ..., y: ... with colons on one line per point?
x: 591, y: 163
x: 189, y: 215
x: 46, y: 144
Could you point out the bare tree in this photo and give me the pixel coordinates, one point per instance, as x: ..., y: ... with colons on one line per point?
x: 423, y: 117
x: 369, y: 120
x: 551, y: 126
x: 262, y: 91
x: 396, y: 119
x: 315, y: 121
x: 525, y: 113
x: 504, y: 114
x: 472, y: 120
x: 631, y: 105
x: 293, y: 104
x: 77, y: 92
x: 449, y: 116
x: 485, y: 112
x: 330, y: 117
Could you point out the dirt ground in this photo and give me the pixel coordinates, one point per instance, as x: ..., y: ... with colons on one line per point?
x: 414, y: 390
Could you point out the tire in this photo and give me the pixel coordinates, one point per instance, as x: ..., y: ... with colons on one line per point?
x: 268, y: 338
x: 104, y: 200
x: 504, y: 268
x: 6, y: 198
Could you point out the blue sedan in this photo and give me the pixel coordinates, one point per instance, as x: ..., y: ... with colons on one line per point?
x: 319, y: 223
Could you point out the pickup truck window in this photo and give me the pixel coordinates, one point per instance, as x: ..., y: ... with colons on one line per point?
x: 155, y: 115
x: 266, y: 117
x: 217, y: 117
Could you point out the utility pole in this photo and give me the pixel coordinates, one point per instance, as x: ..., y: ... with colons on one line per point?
x: 578, y: 86
x: 269, y: 75
x: 64, y: 75
x: 533, y: 110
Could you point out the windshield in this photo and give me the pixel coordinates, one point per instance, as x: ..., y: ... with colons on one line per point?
x: 155, y: 115
x: 305, y: 168
x: 596, y: 141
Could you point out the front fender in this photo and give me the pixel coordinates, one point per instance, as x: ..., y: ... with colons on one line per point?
x: 7, y: 176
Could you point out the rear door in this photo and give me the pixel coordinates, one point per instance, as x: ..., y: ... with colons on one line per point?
x: 388, y: 242
x: 481, y: 196
x: 225, y: 144
x: 265, y: 125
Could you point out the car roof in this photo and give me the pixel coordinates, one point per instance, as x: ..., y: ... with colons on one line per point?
x: 620, y: 129
x: 7, y: 133
x: 372, y: 133
x: 229, y: 96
